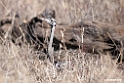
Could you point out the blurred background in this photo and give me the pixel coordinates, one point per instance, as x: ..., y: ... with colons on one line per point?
x: 67, y: 11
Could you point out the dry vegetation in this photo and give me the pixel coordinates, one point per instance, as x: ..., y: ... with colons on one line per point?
x: 21, y: 64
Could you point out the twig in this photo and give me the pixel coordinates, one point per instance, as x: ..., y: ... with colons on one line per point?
x: 83, y: 54
x: 3, y: 5
x: 120, y: 52
x: 9, y: 32
x: 83, y: 40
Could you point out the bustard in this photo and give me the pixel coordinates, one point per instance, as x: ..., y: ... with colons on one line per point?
x: 48, y: 15
x: 52, y: 23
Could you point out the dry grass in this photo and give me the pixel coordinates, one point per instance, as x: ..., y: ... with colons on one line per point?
x: 24, y: 65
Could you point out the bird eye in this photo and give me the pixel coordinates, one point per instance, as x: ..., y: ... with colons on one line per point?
x: 51, y: 20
